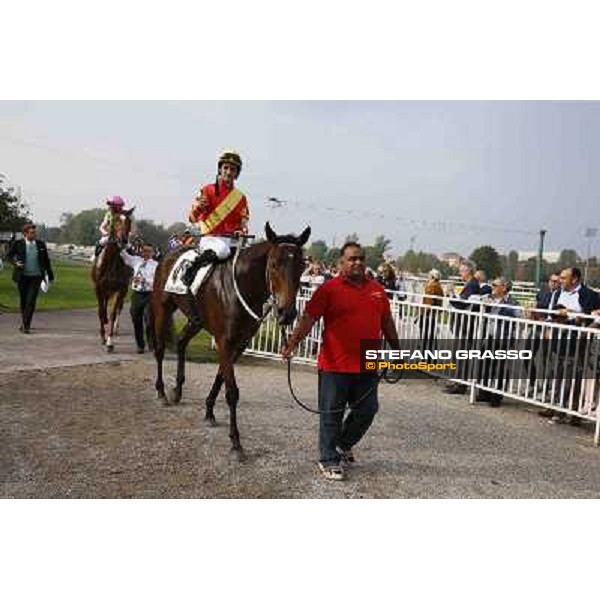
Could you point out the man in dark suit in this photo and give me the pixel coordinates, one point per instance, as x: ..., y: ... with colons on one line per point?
x: 543, y: 301
x: 500, y: 335
x: 464, y: 326
x: 31, y: 264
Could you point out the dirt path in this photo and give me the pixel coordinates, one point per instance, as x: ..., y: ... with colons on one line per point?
x: 95, y: 429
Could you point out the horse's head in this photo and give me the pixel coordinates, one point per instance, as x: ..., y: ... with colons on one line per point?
x: 122, y: 227
x: 285, y: 264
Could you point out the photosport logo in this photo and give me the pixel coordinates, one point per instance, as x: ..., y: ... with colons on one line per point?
x: 449, y: 357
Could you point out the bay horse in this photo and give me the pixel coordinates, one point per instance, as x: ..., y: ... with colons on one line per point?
x: 111, y: 277
x: 263, y: 271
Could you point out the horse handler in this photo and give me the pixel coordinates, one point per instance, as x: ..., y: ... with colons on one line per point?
x: 353, y: 308
x: 142, y: 283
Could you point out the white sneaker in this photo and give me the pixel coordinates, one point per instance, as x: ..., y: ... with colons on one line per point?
x: 332, y: 472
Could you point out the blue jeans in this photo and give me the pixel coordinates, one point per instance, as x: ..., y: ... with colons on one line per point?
x: 338, y: 391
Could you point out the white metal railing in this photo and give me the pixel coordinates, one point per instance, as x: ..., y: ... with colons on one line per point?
x: 564, y: 374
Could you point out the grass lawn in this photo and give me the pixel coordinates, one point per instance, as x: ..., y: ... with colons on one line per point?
x: 72, y: 288
x: 199, y: 349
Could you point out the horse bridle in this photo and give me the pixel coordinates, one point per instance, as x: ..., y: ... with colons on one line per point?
x: 271, y: 300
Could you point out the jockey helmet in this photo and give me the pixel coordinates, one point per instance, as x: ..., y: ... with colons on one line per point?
x: 231, y: 157
x: 116, y: 202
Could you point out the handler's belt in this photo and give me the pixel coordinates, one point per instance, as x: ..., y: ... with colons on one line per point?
x: 221, y: 212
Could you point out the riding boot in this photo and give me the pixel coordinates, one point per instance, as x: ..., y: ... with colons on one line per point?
x: 201, y: 260
x: 98, y: 249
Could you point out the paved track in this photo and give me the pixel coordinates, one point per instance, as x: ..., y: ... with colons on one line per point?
x: 77, y: 422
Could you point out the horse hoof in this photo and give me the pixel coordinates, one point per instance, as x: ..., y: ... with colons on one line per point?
x: 175, y: 396
x: 239, y: 454
x: 110, y: 349
x: 210, y: 421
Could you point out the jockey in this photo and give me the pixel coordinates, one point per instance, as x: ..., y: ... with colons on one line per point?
x: 114, y: 213
x: 220, y: 211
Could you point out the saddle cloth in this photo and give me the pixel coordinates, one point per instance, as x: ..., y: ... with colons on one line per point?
x: 174, y: 285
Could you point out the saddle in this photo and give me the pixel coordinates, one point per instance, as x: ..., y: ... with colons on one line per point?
x: 191, y: 270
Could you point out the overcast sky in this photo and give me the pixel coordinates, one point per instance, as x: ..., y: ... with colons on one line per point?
x: 453, y: 175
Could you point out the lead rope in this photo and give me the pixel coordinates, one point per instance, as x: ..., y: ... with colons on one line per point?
x: 314, y: 410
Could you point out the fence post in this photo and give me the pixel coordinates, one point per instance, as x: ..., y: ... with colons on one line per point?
x: 597, y: 433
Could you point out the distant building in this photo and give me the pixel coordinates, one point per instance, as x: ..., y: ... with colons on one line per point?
x: 549, y: 257
x: 452, y: 259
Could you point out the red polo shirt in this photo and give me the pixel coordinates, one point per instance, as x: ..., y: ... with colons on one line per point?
x: 350, y: 313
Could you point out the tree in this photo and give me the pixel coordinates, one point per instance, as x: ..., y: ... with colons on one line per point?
x: 332, y: 256
x: 351, y: 237
x: 486, y: 258
x: 512, y: 263
x: 82, y: 228
x: 151, y: 232
x: 529, y: 269
x: 13, y: 211
x: 177, y: 228
x: 317, y: 250
x: 375, y: 254
x: 568, y: 258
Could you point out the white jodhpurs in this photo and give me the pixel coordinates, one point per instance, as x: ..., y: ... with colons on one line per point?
x: 219, y: 245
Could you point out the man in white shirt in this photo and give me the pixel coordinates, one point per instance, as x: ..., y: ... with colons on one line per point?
x: 142, y: 283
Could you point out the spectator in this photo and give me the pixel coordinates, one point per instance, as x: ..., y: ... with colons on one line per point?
x: 463, y: 325
x: 543, y: 299
x: 573, y: 297
x: 485, y: 289
x: 500, y: 336
x: 401, y: 286
x: 433, y: 294
x: 313, y: 276
x: 386, y: 277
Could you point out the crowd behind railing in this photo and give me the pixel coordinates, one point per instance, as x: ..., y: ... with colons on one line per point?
x: 559, y: 326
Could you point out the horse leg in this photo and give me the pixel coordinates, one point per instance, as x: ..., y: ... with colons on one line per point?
x: 232, y: 394
x: 111, y: 325
x: 214, y: 393
x: 192, y: 327
x: 101, y: 315
x: 160, y: 316
x: 117, y: 310
x: 212, y: 398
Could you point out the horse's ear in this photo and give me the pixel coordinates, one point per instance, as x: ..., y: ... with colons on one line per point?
x: 304, y: 237
x: 271, y: 235
x: 129, y: 212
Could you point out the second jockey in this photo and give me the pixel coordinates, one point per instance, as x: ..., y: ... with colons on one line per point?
x: 219, y: 211
x: 112, y: 215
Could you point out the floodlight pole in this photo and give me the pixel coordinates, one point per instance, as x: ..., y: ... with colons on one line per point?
x: 538, y: 266
x: 589, y: 234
